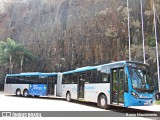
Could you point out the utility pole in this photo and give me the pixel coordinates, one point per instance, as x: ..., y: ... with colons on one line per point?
x: 144, y: 56
x: 155, y: 31
x: 129, y: 37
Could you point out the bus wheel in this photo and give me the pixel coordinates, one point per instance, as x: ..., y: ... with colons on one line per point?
x: 18, y: 92
x: 68, y: 96
x: 103, y: 102
x: 25, y: 93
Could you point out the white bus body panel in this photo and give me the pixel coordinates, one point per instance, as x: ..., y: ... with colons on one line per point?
x: 11, y: 88
x: 55, y: 88
x: 59, y: 85
x: 72, y: 88
x: 92, y: 91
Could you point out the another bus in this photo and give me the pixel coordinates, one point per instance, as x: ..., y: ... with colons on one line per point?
x: 121, y: 83
x: 34, y: 84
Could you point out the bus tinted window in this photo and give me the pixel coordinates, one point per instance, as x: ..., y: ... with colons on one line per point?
x: 88, y: 76
x: 105, y: 78
x: 75, y: 78
x: 21, y: 80
x: 99, y: 77
x: 43, y: 79
x: 16, y: 80
x: 55, y: 79
x: 94, y: 76
x: 32, y: 79
x: 69, y: 79
x: 65, y: 79
x: 52, y: 78
x: 11, y: 80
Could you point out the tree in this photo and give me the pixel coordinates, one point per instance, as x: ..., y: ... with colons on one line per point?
x: 11, y: 53
x: 24, y: 55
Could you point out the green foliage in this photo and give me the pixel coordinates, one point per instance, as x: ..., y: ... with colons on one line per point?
x: 157, y: 102
x: 12, y: 53
x: 151, y: 41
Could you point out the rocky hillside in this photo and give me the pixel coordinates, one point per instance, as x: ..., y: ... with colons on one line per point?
x: 66, y: 34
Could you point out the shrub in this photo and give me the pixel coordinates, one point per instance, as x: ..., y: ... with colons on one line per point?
x: 151, y: 41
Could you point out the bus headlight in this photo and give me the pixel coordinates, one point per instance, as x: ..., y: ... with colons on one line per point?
x: 134, y: 95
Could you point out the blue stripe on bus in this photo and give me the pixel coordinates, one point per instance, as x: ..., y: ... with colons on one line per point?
x: 37, y: 89
x: 33, y: 74
x: 93, y: 67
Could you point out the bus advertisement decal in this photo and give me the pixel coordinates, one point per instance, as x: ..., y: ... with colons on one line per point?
x: 37, y: 89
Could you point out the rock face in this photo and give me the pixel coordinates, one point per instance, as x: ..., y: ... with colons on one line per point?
x: 66, y: 34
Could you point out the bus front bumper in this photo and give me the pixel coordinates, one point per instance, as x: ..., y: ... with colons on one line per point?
x: 142, y: 102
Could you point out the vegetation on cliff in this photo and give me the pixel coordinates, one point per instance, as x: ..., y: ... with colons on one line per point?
x: 66, y: 34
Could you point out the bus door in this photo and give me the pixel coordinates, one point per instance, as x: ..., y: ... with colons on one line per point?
x: 81, y: 82
x: 51, y: 85
x: 117, y: 83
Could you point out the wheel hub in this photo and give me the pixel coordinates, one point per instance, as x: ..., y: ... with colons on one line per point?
x: 18, y: 93
x: 103, y: 102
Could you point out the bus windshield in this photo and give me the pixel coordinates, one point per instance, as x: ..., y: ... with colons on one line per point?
x: 141, y: 78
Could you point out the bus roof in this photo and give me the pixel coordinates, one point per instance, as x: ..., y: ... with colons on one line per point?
x: 33, y: 74
x: 81, y: 69
x: 75, y: 71
x: 100, y: 66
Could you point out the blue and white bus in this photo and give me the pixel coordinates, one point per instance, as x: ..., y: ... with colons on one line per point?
x: 121, y: 83
x: 35, y: 84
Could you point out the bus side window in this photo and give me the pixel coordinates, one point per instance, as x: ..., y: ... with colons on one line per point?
x: 74, y: 78
x: 99, y: 77
x: 70, y: 80
x: 105, y: 78
x: 11, y: 80
x: 87, y: 76
x: 55, y: 79
x: 42, y: 79
x: 94, y: 76
x: 65, y: 79
x: 21, y: 80
x: 32, y: 79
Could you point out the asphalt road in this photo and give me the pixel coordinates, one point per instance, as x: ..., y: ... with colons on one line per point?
x: 14, y: 103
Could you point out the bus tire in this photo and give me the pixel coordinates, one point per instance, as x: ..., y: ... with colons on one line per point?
x: 18, y: 92
x: 68, y: 96
x: 103, y: 102
x: 25, y: 93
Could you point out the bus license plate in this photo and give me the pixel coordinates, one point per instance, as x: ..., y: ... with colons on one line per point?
x: 146, y: 103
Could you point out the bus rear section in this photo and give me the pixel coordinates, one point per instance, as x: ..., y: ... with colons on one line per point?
x: 34, y: 84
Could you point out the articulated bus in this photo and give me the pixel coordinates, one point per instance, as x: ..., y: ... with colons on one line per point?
x: 34, y: 84
x: 121, y: 83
